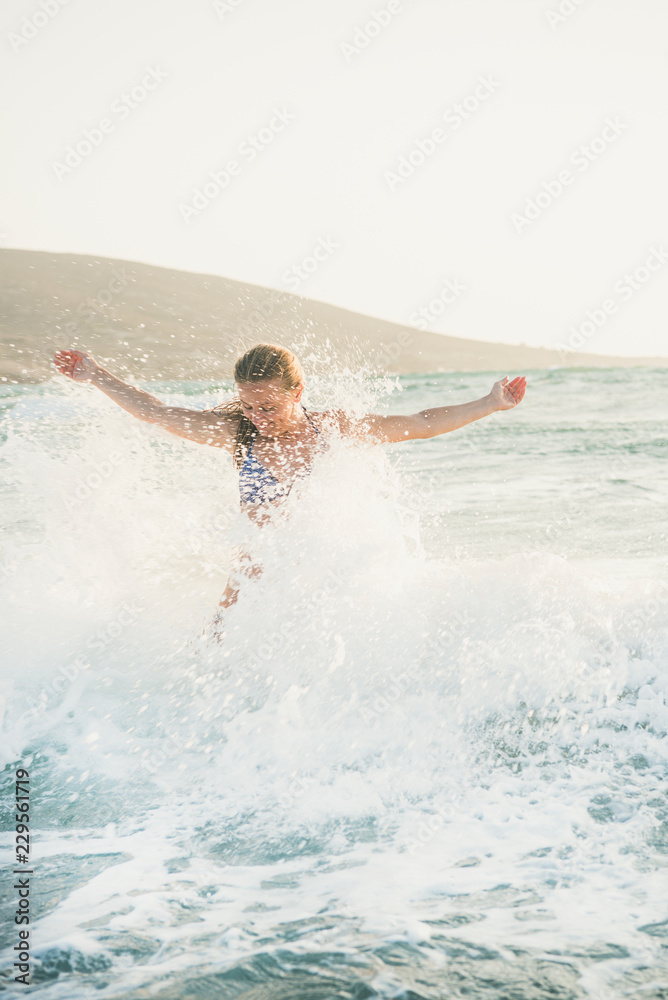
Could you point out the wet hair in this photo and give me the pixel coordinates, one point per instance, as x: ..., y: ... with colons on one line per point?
x: 260, y: 364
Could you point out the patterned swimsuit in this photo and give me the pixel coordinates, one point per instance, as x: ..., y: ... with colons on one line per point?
x: 257, y: 485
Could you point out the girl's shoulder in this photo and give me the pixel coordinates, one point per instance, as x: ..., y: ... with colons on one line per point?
x: 337, y: 421
x: 329, y: 419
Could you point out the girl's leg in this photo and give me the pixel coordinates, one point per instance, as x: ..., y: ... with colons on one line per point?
x: 230, y: 594
x: 227, y: 600
x: 245, y: 567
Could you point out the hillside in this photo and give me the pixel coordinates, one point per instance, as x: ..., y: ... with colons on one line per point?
x: 151, y: 322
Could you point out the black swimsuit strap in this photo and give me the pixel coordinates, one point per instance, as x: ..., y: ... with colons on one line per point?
x: 309, y: 419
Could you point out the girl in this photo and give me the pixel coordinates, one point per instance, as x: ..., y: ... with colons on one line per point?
x: 272, y: 437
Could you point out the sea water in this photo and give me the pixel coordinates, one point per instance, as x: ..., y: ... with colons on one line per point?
x: 425, y: 759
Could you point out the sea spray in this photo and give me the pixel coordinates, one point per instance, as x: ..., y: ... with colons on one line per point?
x: 433, y: 734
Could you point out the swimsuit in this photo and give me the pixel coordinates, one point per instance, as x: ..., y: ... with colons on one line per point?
x: 256, y: 484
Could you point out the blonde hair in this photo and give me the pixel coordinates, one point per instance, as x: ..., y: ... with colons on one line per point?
x: 259, y: 364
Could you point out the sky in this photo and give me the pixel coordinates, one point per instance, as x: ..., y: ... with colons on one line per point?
x: 491, y: 169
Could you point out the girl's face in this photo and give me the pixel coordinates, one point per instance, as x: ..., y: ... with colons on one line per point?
x: 268, y: 405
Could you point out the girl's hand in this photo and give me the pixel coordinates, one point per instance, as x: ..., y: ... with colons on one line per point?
x: 76, y: 365
x: 507, y: 394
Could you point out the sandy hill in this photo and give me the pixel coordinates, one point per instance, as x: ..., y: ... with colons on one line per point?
x: 148, y: 322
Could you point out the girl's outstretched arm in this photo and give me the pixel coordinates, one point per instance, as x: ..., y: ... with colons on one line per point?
x: 382, y: 429
x: 218, y: 430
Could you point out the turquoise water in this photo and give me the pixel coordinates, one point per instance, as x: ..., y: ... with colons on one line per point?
x: 428, y: 759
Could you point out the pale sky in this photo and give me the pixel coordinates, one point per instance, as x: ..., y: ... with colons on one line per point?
x: 317, y: 102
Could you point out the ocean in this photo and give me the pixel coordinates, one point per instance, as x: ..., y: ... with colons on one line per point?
x: 426, y: 760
